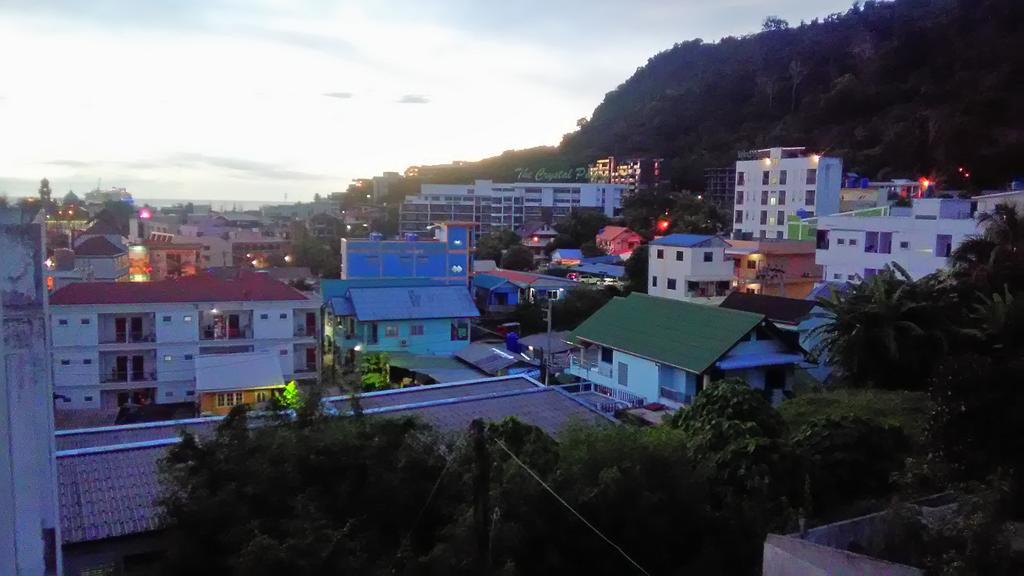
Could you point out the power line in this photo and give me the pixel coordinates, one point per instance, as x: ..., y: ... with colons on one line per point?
x: 571, y: 509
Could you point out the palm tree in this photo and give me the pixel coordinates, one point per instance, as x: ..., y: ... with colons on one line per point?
x: 883, y: 331
x: 993, y: 259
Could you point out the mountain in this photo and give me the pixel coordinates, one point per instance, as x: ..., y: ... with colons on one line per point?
x: 897, y: 89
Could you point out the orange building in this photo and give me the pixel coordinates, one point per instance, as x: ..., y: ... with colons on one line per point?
x: 774, y: 267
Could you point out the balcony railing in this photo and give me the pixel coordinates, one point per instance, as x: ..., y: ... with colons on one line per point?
x: 128, y: 338
x: 309, y: 367
x: 119, y: 377
x: 209, y: 333
x: 585, y: 365
x: 303, y: 331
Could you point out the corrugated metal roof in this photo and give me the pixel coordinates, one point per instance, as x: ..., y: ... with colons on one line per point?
x: 776, y: 308
x: 689, y: 336
x: 488, y: 282
x: 413, y: 302
x: 337, y: 288
x: 610, y: 270
x: 244, y: 287
x: 244, y: 371
x: 342, y: 306
x: 491, y: 357
x: 567, y: 254
x: 688, y: 240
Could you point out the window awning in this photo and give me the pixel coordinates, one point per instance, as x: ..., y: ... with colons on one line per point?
x: 247, y: 371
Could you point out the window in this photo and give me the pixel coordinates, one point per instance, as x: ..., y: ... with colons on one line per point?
x: 904, y: 245
x: 65, y: 362
x: 188, y: 356
x: 671, y: 283
x: 660, y: 254
x: 390, y: 331
x: 166, y: 319
x: 739, y: 196
x: 86, y: 321
x: 62, y: 322
x: 709, y: 256
x: 552, y: 294
x: 782, y: 197
x: 416, y: 330
x: 779, y: 235
x: 229, y: 399
x: 187, y: 318
x: 87, y: 361
x: 606, y: 355
x: 782, y: 177
x: 885, y: 242
x: 679, y: 255
x: 168, y: 358
x: 837, y: 276
x: 741, y: 180
x: 809, y: 198
x: 812, y: 176
x: 764, y: 178
x: 851, y: 276
x: 764, y: 197
x: 190, y: 393
x: 853, y: 242
x: 261, y: 396
x: 654, y: 281
x: 780, y: 217
x: 284, y: 352
x: 623, y: 374
x: 66, y: 399
x: 764, y: 216
x: 773, y: 201
x: 739, y: 217
x: 283, y: 316
x: 841, y: 241
x: 168, y: 394
x: 763, y: 234
x: 87, y: 398
x: 943, y: 245
x: 871, y: 242
x: 264, y: 316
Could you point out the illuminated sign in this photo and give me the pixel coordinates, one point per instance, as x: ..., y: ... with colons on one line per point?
x: 551, y: 175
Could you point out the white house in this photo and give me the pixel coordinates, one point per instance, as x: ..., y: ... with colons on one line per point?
x: 688, y: 266
x: 776, y: 183
x: 919, y: 238
x: 136, y: 342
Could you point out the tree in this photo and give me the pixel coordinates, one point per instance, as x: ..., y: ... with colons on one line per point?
x: 796, y: 76
x: 582, y: 225
x: 375, y: 370
x: 560, y: 241
x: 995, y: 259
x: 44, y: 190
x: 517, y: 257
x: 773, y: 24
x: 590, y: 250
x: 491, y: 246
x: 636, y: 269
x: 885, y: 331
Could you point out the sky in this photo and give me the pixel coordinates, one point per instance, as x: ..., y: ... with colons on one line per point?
x: 280, y: 99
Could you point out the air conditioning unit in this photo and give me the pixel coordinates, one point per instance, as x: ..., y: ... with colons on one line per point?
x: 403, y: 343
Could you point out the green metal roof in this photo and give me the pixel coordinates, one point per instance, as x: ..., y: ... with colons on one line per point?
x: 682, y: 334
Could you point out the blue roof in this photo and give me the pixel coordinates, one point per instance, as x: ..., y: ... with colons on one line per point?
x: 487, y: 281
x: 411, y: 303
x: 602, y: 269
x: 609, y: 259
x: 342, y: 306
x: 336, y: 288
x: 568, y: 253
x: 683, y: 240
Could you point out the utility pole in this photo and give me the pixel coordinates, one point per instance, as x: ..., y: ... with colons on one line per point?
x: 481, y: 496
x: 546, y: 359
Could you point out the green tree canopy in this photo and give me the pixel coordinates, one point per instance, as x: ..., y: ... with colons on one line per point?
x: 517, y: 257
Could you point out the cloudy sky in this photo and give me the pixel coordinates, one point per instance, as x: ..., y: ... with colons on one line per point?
x: 247, y: 99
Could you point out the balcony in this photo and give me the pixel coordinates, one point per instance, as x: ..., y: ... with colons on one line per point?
x: 589, y: 369
x: 123, y: 377
x: 213, y: 333
x: 140, y: 337
x: 675, y: 395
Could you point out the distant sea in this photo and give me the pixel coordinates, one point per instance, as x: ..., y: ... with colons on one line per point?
x: 218, y: 205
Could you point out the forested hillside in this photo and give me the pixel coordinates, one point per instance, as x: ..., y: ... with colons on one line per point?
x: 895, y: 88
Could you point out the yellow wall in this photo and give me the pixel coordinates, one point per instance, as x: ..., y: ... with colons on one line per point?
x: 208, y: 400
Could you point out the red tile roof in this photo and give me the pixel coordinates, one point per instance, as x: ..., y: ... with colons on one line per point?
x: 98, y: 246
x: 244, y: 287
x: 609, y: 233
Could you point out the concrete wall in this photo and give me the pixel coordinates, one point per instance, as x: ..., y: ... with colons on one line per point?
x: 272, y: 322
x: 436, y: 338
x: 177, y: 324
x: 29, y: 523
x: 692, y: 268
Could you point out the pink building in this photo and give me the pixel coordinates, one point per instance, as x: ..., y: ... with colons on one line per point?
x: 618, y: 240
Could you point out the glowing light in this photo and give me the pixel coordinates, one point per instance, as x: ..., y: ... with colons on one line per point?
x: 145, y: 214
x: 49, y: 263
x: 767, y: 161
x: 348, y: 226
x: 249, y: 255
x: 815, y: 157
x: 358, y: 348
x: 255, y: 262
x: 536, y: 239
x: 214, y: 311
x: 663, y: 225
x: 288, y: 258
x: 925, y: 183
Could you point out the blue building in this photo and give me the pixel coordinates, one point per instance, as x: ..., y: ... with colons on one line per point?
x: 502, y: 290
x: 447, y: 258
x: 399, y: 317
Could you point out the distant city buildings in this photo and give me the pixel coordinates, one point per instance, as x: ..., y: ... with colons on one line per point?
x: 776, y: 183
x: 300, y: 210
x: 491, y: 206
x: 137, y: 343
x: 720, y: 187
x: 635, y: 174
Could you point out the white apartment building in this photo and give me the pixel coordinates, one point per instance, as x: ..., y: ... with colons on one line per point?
x: 493, y: 205
x: 776, y: 183
x: 689, y: 267
x: 137, y: 342
x: 919, y: 238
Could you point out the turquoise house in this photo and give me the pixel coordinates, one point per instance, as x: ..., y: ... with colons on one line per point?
x: 421, y: 319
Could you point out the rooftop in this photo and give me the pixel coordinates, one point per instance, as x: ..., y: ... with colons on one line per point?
x: 109, y: 481
x: 242, y: 287
x: 525, y: 279
x: 776, y: 308
x: 406, y: 303
x: 98, y: 246
x: 688, y: 240
x: 682, y: 334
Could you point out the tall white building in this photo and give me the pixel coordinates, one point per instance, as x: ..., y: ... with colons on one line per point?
x: 919, y: 238
x: 492, y: 205
x: 688, y: 267
x: 29, y: 523
x: 137, y: 342
x: 776, y: 183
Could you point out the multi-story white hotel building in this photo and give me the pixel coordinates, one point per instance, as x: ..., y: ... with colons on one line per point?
x: 492, y: 205
x: 776, y: 183
x: 137, y: 342
x: 919, y: 238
